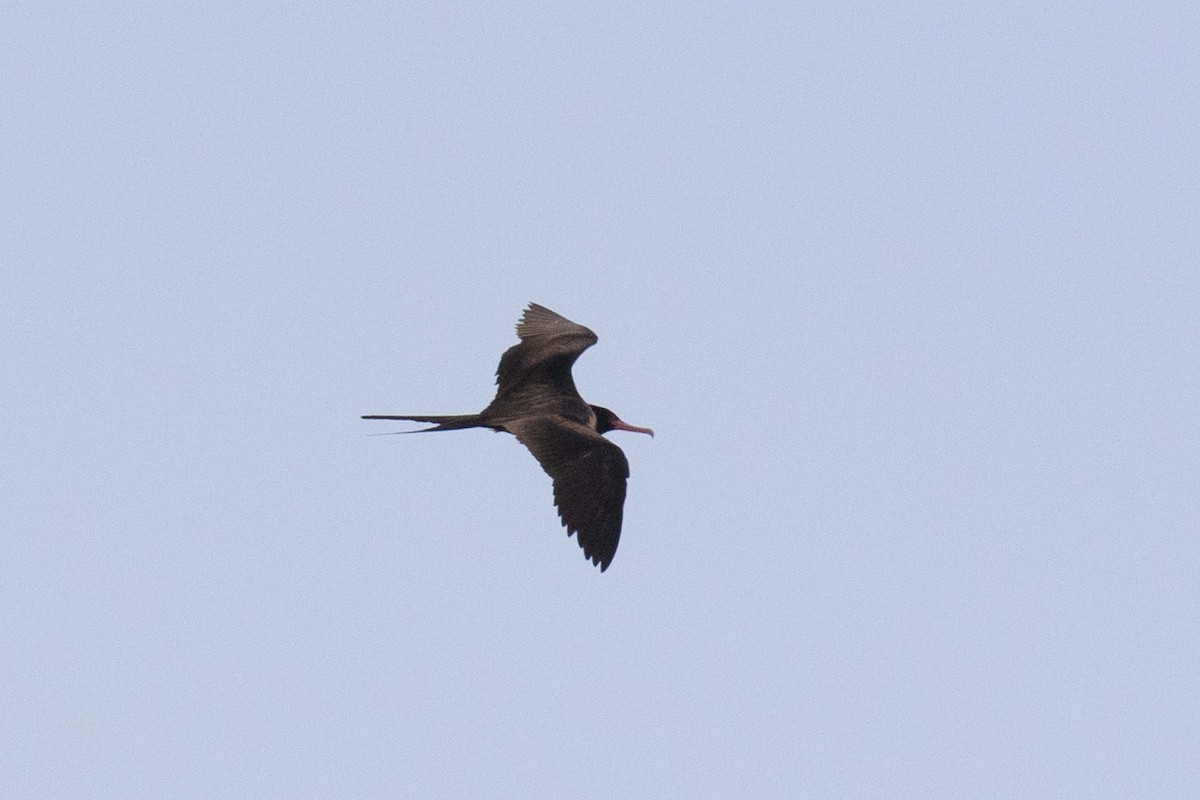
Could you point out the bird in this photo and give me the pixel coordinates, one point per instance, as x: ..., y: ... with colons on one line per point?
x: 537, y: 402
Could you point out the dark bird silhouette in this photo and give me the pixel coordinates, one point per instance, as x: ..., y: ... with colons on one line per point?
x: 536, y: 401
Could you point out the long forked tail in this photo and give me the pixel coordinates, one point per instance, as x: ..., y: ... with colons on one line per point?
x: 452, y: 422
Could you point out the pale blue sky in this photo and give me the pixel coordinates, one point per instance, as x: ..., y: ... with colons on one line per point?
x: 909, y: 294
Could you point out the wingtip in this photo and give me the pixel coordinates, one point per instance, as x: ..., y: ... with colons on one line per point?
x: 533, y: 311
x: 532, y: 308
x: 537, y: 321
x: 599, y: 560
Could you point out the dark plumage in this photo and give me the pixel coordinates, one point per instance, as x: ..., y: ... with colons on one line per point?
x: 536, y: 401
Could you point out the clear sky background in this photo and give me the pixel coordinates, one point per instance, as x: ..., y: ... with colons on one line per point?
x: 910, y: 294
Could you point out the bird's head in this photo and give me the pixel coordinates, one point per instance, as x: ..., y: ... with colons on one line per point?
x: 608, y: 421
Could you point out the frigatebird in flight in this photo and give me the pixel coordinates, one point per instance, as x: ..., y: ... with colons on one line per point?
x: 536, y: 401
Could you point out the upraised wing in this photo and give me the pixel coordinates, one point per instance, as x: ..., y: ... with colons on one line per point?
x: 549, y: 345
x: 590, y: 475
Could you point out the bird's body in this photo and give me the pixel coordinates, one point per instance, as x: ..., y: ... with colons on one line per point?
x: 536, y: 401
